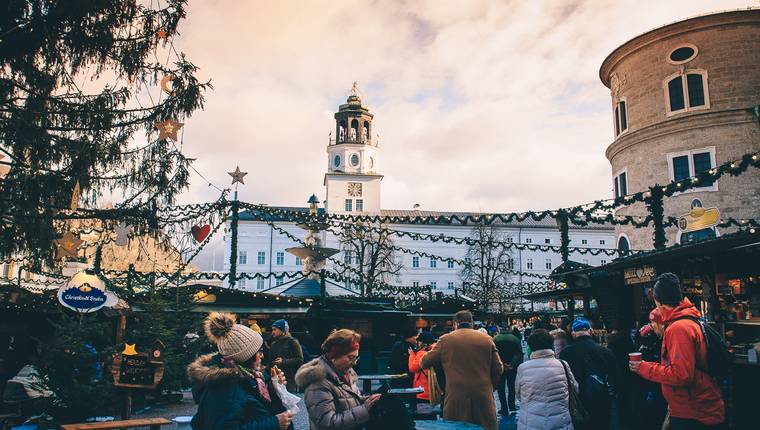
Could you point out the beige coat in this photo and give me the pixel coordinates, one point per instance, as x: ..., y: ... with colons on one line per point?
x: 472, y: 367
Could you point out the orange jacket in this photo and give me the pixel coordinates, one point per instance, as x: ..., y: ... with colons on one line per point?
x: 691, y: 393
x: 420, y: 375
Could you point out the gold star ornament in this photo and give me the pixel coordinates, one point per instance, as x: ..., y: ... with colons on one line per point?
x: 168, y: 128
x: 129, y: 349
x: 237, y: 176
x: 67, y: 245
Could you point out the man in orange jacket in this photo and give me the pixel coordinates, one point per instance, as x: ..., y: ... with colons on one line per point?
x: 694, y: 399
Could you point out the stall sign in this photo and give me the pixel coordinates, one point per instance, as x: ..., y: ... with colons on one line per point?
x: 135, y: 370
x: 699, y: 223
x: 85, y: 292
x: 639, y: 275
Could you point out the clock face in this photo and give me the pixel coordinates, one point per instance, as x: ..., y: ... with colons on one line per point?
x: 371, y: 162
x: 354, y: 189
x: 354, y: 160
x: 336, y: 160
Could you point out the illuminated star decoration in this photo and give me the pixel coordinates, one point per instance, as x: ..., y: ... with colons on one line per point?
x: 129, y: 349
x: 168, y: 128
x: 68, y: 245
x: 237, y: 176
x: 122, y: 234
x: 161, y: 34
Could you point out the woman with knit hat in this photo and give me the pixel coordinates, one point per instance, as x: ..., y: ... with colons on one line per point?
x: 229, y: 387
x: 331, y: 394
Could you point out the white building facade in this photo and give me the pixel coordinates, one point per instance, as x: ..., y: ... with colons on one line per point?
x: 353, y: 187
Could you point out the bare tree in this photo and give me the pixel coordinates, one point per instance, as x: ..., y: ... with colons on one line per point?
x: 372, y: 255
x: 488, y: 264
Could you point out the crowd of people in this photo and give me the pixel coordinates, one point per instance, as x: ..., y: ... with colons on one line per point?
x: 560, y: 377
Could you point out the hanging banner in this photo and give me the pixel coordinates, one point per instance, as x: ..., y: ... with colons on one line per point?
x: 699, y: 223
x: 85, y: 292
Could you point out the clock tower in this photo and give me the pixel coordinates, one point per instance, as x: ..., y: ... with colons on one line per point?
x: 352, y: 181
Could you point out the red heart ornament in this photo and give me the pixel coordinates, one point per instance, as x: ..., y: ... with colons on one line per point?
x: 200, y: 233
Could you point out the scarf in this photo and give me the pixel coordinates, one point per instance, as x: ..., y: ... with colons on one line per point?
x: 255, y: 375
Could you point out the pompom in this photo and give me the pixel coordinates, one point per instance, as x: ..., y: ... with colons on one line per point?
x: 218, y: 326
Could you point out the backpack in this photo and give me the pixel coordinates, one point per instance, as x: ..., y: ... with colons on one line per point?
x: 718, y: 357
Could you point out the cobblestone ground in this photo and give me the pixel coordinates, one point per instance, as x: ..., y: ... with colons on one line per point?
x: 300, y: 421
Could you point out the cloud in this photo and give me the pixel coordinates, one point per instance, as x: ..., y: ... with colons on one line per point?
x: 492, y: 106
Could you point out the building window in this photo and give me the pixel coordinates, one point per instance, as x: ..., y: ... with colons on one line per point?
x: 682, y: 54
x: 280, y: 258
x: 298, y: 261
x: 509, y: 240
x: 548, y: 264
x: 511, y: 263
x: 278, y: 280
x: 450, y: 264
x: 604, y: 261
x: 241, y: 282
x: 528, y: 240
x: 433, y: 263
x: 242, y: 257
x: 450, y: 285
x: 530, y: 264
x: 621, y: 118
x: 584, y: 242
x: 415, y: 261
x: 433, y: 285
x: 359, y: 205
x: 349, y: 205
x: 347, y: 257
x: 602, y: 242
x: 547, y: 241
x: 261, y: 257
x: 415, y: 284
x: 260, y: 283
x: 684, y: 165
x: 623, y: 246
x: 687, y: 91
x: 621, y: 184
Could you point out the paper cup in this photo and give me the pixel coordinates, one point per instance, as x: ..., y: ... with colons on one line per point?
x: 634, y: 356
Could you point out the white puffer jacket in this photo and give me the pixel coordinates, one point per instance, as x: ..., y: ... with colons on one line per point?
x: 543, y: 393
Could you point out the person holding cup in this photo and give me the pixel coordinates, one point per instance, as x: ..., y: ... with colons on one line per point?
x: 694, y: 399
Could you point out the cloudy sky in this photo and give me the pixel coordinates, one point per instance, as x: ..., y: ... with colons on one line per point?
x: 481, y: 106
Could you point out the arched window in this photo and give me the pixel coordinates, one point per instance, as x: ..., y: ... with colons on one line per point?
x: 354, y: 131
x: 623, y: 246
x: 687, y: 91
x: 342, y: 131
x: 366, y: 132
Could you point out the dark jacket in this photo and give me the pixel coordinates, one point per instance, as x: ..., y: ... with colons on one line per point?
x: 229, y: 400
x: 399, y: 361
x: 510, y: 349
x: 585, y: 357
x: 287, y: 347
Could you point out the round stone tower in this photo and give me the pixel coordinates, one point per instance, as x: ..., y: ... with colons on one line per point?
x: 684, y: 100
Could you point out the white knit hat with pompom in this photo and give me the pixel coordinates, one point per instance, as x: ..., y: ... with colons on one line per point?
x: 234, y: 341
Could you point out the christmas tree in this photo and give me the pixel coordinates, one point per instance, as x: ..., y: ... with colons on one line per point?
x: 75, y: 120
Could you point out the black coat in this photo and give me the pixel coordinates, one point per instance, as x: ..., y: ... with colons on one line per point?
x: 585, y: 357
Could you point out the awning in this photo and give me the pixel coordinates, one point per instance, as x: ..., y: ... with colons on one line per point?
x: 558, y: 294
x: 251, y: 309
